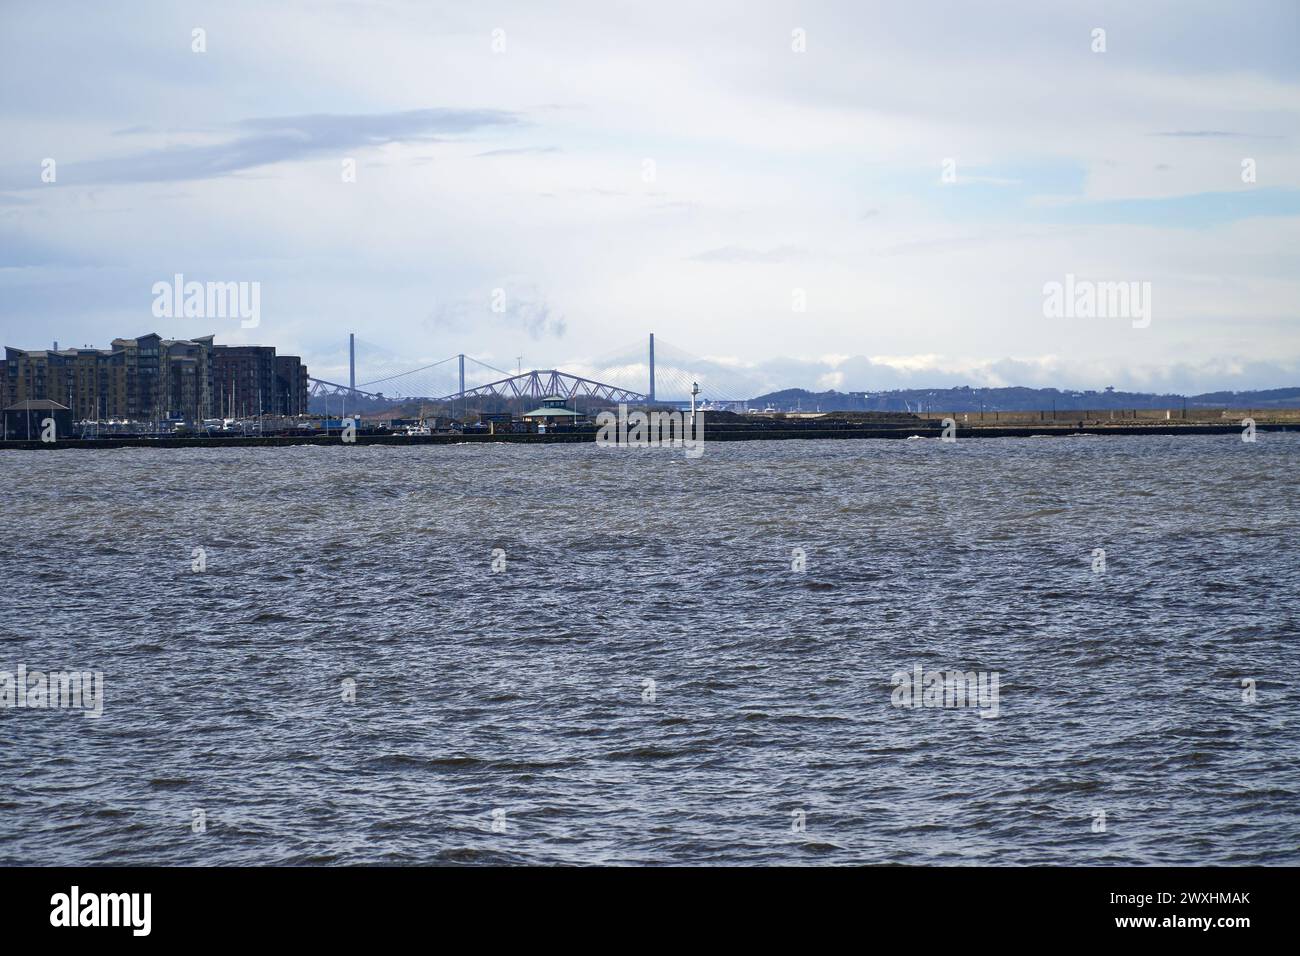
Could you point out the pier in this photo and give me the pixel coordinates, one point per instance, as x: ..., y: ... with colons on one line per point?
x: 723, y: 431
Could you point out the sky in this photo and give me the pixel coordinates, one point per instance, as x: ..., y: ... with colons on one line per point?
x: 846, y: 195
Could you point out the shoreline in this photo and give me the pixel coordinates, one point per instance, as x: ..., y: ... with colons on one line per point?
x: 755, y: 434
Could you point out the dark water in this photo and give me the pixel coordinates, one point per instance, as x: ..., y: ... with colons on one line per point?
x: 522, y: 691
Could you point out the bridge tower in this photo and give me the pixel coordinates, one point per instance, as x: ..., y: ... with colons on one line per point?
x: 352, y: 361
x: 651, y: 393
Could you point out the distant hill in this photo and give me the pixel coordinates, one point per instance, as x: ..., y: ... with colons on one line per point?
x: 967, y: 399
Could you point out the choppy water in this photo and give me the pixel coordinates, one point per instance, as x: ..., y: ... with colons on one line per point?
x: 523, y: 690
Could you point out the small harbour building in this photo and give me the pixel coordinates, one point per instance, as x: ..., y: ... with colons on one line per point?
x: 551, y: 412
x: 25, y: 420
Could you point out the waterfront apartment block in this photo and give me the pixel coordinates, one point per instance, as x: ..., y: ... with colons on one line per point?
x: 291, y: 383
x: 149, y: 378
x: 252, y: 380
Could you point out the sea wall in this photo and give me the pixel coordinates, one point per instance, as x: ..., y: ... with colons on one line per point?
x: 964, y: 431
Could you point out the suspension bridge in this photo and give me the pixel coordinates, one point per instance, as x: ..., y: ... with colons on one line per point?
x: 642, y: 374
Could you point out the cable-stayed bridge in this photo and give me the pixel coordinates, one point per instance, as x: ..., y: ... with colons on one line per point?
x: 645, y: 373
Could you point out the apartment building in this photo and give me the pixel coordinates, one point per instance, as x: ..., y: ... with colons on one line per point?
x: 149, y: 378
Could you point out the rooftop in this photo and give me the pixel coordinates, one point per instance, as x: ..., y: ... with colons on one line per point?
x: 551, y: 411
x: 37, y: 405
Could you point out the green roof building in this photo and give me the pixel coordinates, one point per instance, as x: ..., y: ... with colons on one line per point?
x: 552, y: 409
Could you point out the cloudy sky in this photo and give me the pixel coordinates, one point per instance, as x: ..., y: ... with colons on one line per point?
x: 759, y: 183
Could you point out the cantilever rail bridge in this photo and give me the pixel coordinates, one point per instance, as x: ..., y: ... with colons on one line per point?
x: 632, y: 375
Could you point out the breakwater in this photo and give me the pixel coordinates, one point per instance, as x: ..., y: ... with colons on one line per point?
x: 720, y: 434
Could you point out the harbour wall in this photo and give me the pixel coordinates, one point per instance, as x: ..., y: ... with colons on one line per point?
x: 963, y: 432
